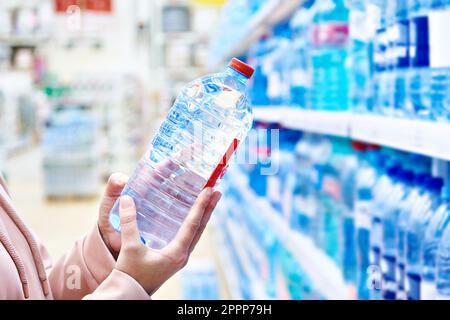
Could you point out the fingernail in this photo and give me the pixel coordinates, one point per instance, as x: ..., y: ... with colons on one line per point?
x: 126, y: 202
x: 209, y: 192
x: 121, y: 179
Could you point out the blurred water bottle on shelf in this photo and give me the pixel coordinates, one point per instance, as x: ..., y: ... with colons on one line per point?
x: 277, y: 190
x: 443, y: 266
x: 348, y: 164
x: 189, y: 152
x: 389, y: 26
x: 374, y: 10
x: 329, y: 56
x: 382, y: 189
x: 359, y: 62
x: 277, y: 66
x: 405, y: 209
x: 303, y: 189
x: 440, y: 59
x: 299, y: 58
x: 403, y: 181
x: 415, y: 233
x: 433, y: 236
x: 259, y: 83
x: 400, y: 36
x: 419, y: 77
x: 365, y: 177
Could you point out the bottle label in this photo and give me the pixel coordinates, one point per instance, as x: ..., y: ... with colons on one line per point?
x: 220, y: 168
x: 413, y: 286
x: 401, y: 44
x: 362, y: 214
x: 331, y: 34
x: 428, y: 290
x: 419, y: 42
x: 439, y: 27
x: 331, y: 187
x: 389, y: 286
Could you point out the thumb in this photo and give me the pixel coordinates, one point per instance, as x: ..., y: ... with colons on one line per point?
x: 128, y: 224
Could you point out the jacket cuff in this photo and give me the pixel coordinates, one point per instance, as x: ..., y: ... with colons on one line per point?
x: 97, y: 256
x: 119, y: 286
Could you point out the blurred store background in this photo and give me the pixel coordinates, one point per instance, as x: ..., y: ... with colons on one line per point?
x: 357, y: 91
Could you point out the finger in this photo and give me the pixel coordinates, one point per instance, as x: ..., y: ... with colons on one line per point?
x: 208, y: 212
x: 128, y: 224
x: 115, y: 185
x: 188, y: 229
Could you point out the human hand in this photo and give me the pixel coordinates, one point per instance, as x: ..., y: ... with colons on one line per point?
x: 152, y: 267
x: 114, y: 187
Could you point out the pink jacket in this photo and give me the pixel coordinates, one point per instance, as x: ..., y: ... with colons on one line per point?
x: 85, y: 272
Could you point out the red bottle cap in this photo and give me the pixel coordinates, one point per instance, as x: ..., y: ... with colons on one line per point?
x: 241, y: 67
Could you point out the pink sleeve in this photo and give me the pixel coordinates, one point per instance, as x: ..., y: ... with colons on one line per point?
x: 119, y: 286
x: 87, y: 269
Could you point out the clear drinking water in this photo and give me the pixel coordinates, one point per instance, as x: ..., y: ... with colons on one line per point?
x: 401, y: 57
x: 443, y: 266
x: 433, y: 235
x: 382, y: 189
x: 189, y: 152
x: 419, y: 82
x: 360, y: 93
x: 439, y: 60
x: 300, y: 66
x: 389, y: 218
x: 417, y: 224
x: 329, y: 56
x: 405, y: 208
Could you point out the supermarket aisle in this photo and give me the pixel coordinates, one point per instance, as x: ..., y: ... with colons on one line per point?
x: 59, y: 224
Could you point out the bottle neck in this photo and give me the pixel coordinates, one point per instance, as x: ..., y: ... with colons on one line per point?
x: 236, y: 74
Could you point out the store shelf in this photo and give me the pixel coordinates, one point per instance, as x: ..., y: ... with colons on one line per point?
x: 322, y: 122
x: 323, y: 272
x: 416, y: 136
x: 271, y: 13
x: 423, y: 137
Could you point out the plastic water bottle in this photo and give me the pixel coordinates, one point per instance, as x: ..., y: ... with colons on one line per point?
x: 400, y: 34
x: 443, y: 266
x: 259, y: 83
x: 433, y: 236
x: 417, y: 224
x: 359, y: 62
x: 329, y: 56
x: 363, y: 222
x: 389, y: 218
x: 439, y: 59
x: 381, y: 45
x: 419, y: 79
x: 406, y: 207
x: 390, y: 60
x: 300, y: 64
x: 381, y: 194
x: 189, y: 152
x: 348, y: 163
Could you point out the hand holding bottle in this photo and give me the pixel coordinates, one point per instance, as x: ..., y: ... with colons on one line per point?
x: 152, y: 267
